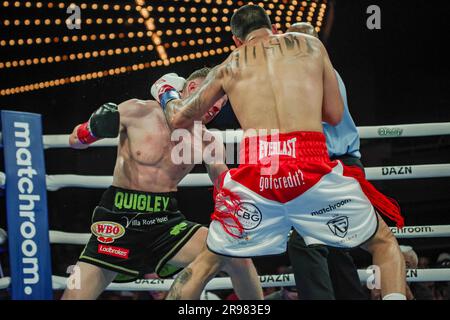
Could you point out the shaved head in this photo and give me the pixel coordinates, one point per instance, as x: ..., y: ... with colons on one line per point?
x: 304, y: 27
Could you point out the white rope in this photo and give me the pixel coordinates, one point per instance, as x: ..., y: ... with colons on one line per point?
x: 408, y: 172
x: 5, y: 282
x: 2, y: 180
x: 58, y: 181
x: 267, y: 281
x: 408, y: 232
x: 3, y: 237
x: 405, y: 130
x: 60, y: 237
x: 62, y: 141
x: 235, y: 136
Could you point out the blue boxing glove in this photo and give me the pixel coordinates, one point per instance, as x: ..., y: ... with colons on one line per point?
x: 167, y: 88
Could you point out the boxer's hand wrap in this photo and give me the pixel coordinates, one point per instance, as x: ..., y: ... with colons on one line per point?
x: 167, y: 88
x: 103, y: 123
x: 166, y: 95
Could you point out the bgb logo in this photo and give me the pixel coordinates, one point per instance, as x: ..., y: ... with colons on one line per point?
x: 249, y: 215
x: 107, y: 231
x: 339, y: 226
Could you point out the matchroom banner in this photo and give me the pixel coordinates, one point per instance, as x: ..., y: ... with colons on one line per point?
x: 26, y: 205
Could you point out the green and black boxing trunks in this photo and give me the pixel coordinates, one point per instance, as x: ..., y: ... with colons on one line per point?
x: 135, y: 233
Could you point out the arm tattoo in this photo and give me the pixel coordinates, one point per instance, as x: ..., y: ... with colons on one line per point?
x: 175, y: 292
x: 171, y: 109
x: 245, y: 55
x: 309, y: 46
x: 194, y: 104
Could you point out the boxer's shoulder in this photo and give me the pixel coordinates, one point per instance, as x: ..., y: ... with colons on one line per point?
x: 138, y: 103
x: 137, y: 107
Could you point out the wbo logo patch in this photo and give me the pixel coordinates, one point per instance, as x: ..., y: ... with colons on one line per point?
x: 107, y: 231
x: 339, y: 226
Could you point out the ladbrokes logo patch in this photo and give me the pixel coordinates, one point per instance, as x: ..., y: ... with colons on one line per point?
x: 113, y: 251
x: 107, y: 231
x: 339, y: 226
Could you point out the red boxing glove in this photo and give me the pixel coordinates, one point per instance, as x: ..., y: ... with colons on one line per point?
x: 84, y: 135
x: 103, y: 123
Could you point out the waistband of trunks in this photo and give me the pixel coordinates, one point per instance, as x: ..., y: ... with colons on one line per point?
x: 298, y: 145
x: 124, y: 200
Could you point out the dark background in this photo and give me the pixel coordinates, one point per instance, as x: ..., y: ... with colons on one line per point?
x: 396, y: 75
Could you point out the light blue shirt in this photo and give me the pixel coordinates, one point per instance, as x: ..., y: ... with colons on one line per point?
x: 342, y: 139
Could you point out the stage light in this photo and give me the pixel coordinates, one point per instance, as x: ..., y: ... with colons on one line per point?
x: 213, y: 18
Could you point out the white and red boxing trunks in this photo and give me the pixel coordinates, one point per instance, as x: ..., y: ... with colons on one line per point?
x: 285, y: 181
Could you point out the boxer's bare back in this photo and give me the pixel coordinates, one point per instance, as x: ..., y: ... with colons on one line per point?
x: 288, y: 80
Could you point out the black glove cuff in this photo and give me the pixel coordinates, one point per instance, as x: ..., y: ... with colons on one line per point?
x: 105, y: 123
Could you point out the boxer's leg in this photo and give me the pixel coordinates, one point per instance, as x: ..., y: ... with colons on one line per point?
x: 93, y: 280
x: 203, y: 265
x: 387, y: 256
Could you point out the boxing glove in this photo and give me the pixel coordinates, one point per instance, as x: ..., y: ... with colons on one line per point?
x: 103, y: 123
x: 167, y: 88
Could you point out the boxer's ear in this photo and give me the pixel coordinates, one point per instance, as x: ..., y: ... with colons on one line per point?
x: 191, y: 86
x: 237, y: 41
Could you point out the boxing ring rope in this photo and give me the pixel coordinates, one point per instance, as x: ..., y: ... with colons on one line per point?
x: 56, y: 182
x: 233, y: 136
x: 224, y: 283
x: 408, y: 232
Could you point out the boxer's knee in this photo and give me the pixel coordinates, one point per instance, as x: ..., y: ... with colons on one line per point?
x: 385, y: 243
x: 237, y: 265
x: 207, y: 264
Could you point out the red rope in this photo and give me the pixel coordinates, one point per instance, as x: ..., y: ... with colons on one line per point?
x: 226, y: 206
x: 384, y: 204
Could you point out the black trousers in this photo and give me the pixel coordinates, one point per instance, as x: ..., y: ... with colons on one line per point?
x: 324, y: 273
